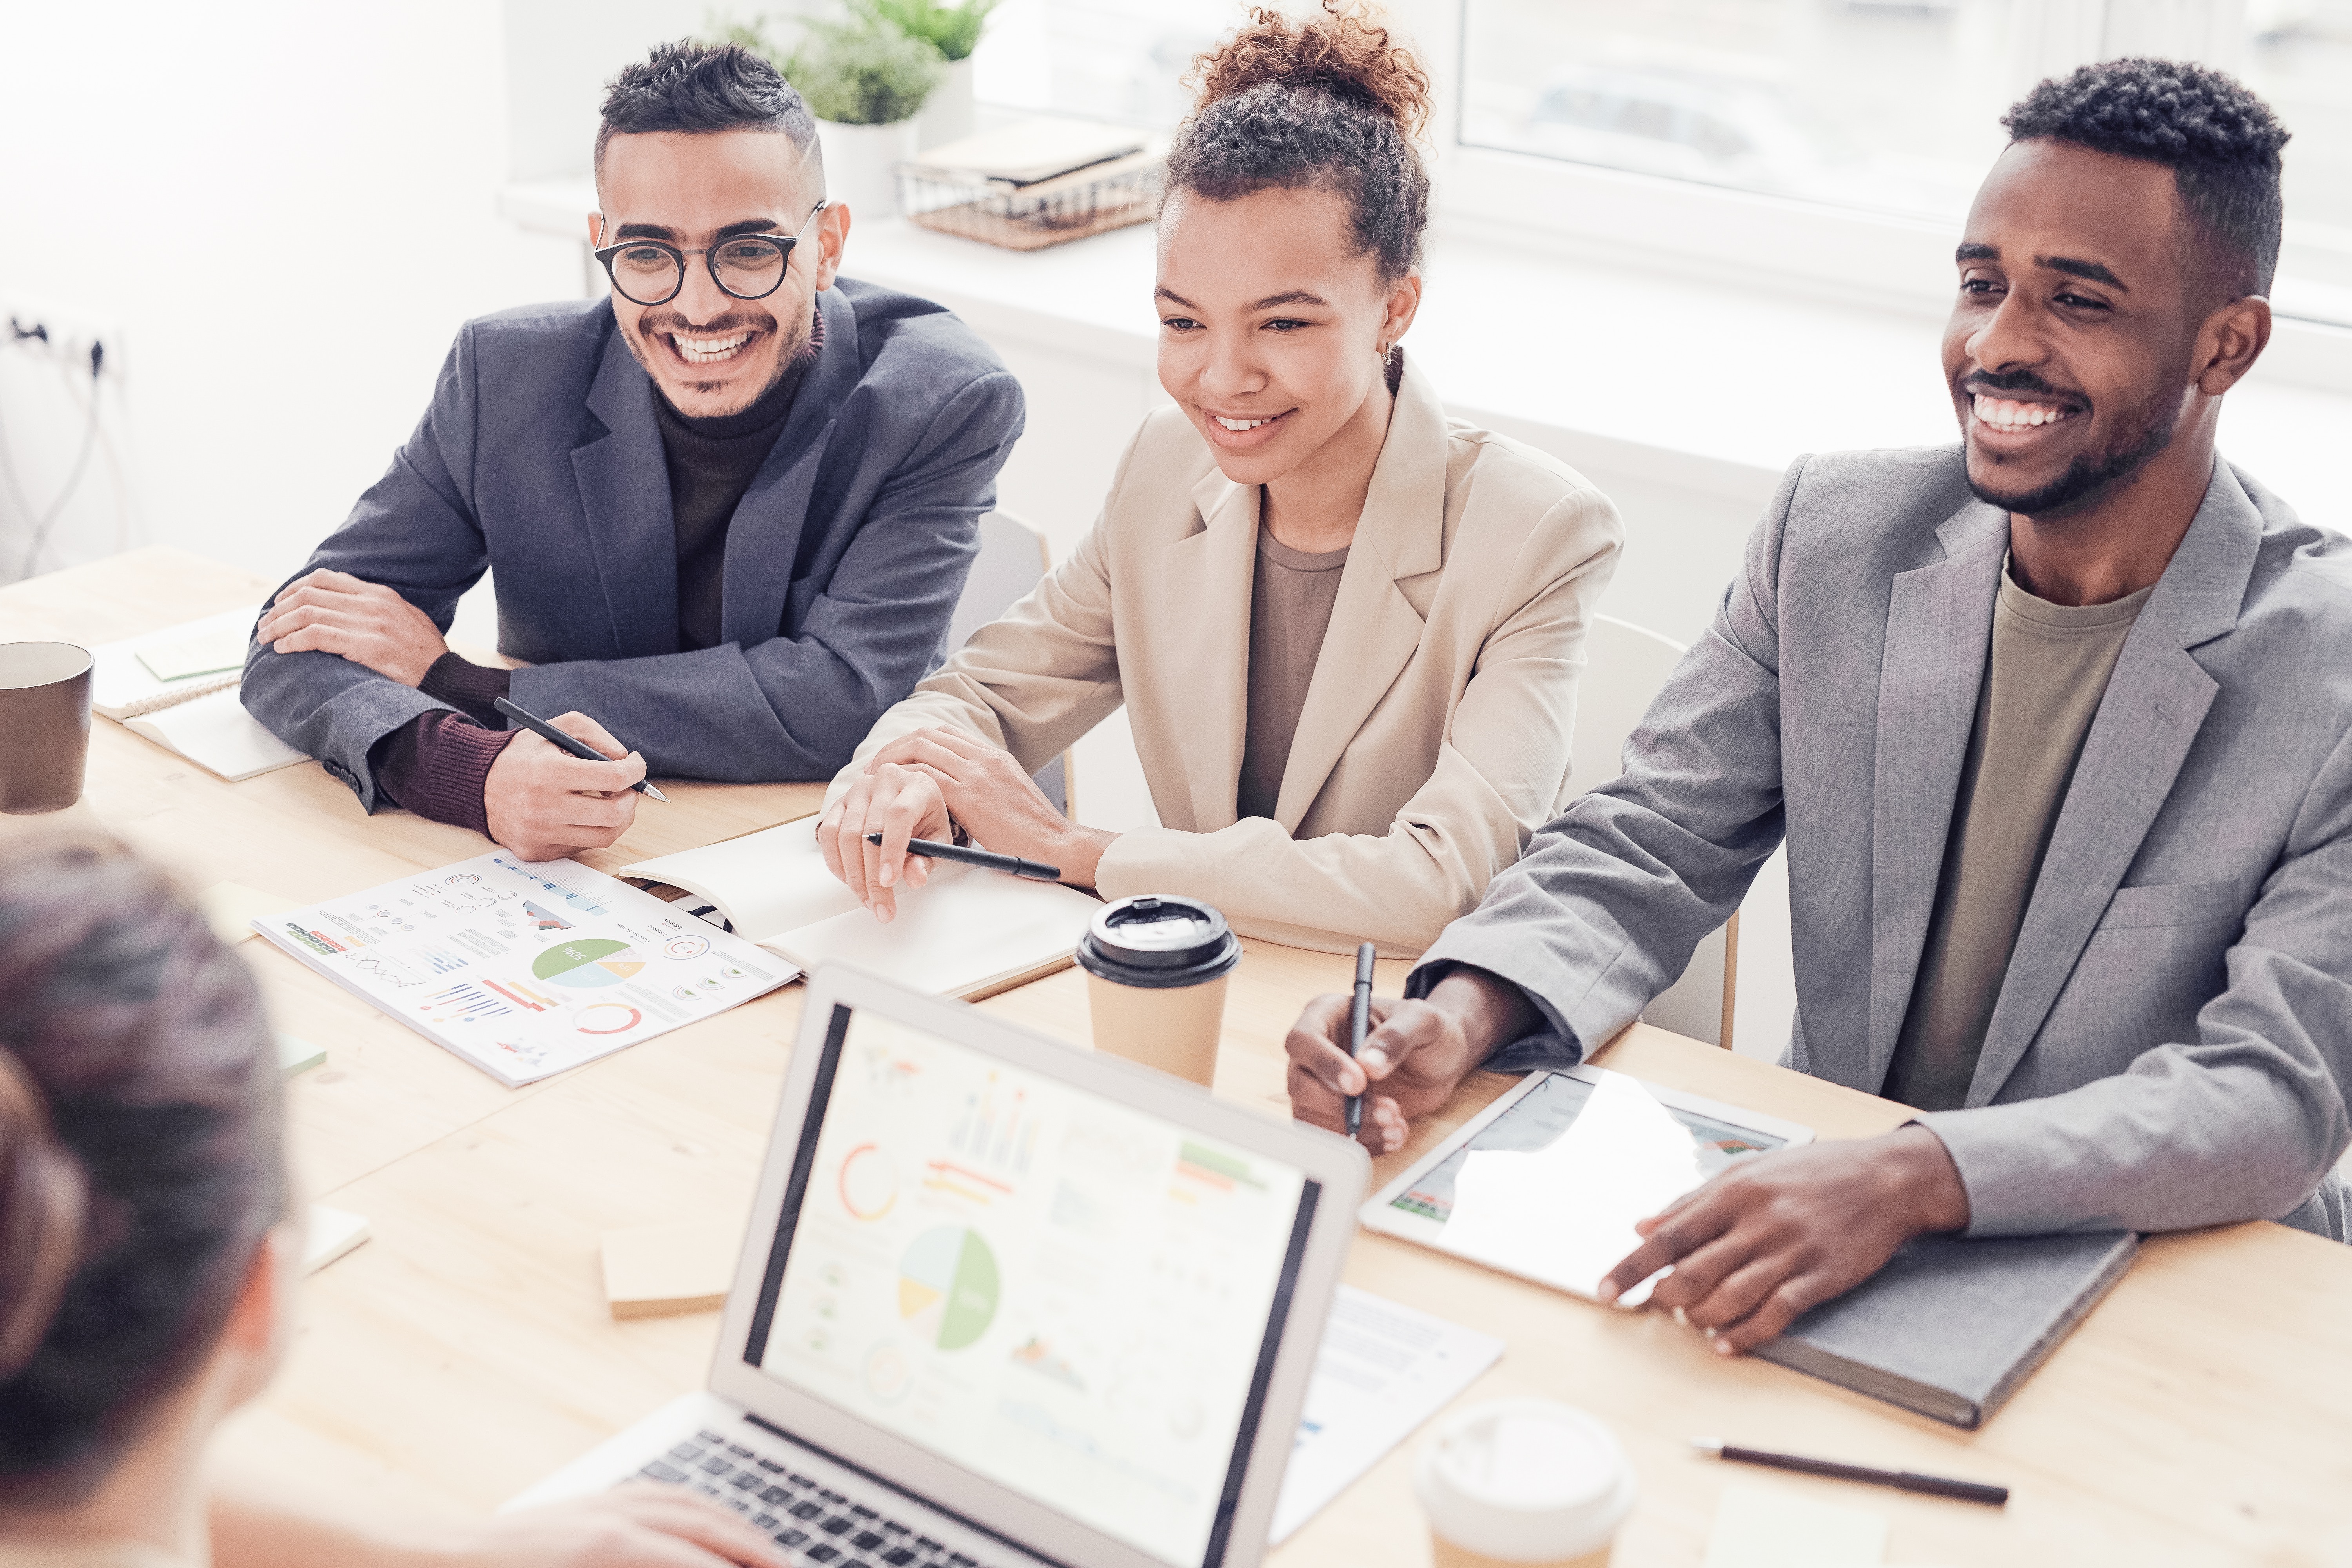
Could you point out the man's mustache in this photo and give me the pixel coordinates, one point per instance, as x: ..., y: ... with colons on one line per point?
x: 2014, y: 381
x: 674, y: 321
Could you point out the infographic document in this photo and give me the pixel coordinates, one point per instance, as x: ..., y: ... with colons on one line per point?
x: 1056, y: 1292
x: 526, y: 967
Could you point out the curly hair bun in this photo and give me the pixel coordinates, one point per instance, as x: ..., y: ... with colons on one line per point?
x: 1328, y: 103
x: 1342, y: 49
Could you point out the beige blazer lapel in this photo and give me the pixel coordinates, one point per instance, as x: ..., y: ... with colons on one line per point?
x: 1374, y: 628
x: 2154, y: 706
x: 1205, y: 582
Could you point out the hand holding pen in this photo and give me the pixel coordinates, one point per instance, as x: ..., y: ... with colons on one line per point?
x: 546, y: 799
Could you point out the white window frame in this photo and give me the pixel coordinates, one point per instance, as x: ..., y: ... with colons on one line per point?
x: 1730, y: 237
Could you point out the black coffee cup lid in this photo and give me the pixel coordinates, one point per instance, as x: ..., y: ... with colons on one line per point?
x: 1158, y: 941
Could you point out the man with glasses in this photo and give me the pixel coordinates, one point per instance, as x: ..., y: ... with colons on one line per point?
x: 729, y: 510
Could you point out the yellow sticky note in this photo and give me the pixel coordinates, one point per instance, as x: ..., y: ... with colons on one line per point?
x: 231, y: 908
x: 1771, y: 1527
x: 657, y: 1269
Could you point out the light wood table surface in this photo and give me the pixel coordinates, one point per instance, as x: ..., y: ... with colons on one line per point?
x: 2203, y: 1414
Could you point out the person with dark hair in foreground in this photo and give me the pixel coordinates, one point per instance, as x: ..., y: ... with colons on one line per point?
x: 147, y: 1256
x: 1346, y: 629
x: 728, y: 510
x: 2057, y: 726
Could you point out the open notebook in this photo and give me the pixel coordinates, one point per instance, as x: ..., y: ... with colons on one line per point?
x: 178, y: 688
x: 967, y: 934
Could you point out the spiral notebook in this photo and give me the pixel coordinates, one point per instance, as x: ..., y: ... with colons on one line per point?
x: 967, y: 932
x: 178, y: 688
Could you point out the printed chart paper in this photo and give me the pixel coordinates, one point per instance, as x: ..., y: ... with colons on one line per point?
x: 526, y: 967
x: 1383, y: 1370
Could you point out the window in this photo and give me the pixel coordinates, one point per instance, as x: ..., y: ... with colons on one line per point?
x: 1885, y: 106
x: 1838, y: 139
x: 1121, y: 60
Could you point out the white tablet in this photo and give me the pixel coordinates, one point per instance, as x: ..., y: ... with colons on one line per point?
x: 1546, y: 1181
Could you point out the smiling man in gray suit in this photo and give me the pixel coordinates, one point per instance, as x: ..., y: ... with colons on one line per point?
x: 2058, y: 730
x: 729, y: 509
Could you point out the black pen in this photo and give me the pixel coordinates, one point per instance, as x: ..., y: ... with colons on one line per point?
x: 1905, y: 1480
x: 987, y: 860
x: 571, y: 743
x: 1359, y: 1020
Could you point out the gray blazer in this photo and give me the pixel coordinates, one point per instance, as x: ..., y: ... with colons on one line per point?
x: 2173, y: 1041
x: 540, y: 459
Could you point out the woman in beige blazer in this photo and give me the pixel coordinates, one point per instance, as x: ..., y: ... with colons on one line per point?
x: 1347, y: 630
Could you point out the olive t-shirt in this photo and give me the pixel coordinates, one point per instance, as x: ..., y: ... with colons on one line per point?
x: 2046, y: 672
x: 1290, y: 608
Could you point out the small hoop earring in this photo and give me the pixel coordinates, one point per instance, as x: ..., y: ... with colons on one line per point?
x: 1381, y: 353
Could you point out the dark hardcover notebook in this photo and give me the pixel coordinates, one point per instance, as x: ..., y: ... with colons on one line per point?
x: 1951, y: 1327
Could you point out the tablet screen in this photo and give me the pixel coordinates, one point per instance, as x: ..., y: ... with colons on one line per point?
x: 1537, y: 1120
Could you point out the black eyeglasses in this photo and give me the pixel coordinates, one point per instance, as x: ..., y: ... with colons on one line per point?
x: 747, y: 266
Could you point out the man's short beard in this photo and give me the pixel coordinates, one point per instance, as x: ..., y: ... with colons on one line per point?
x: 792, y: 341
x: 2147, y: 430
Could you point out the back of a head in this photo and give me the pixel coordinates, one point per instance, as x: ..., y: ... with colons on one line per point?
x: 140, y: 1160
x: 700, y: 89
x: 1326, y: 103
x: 2220, y: 141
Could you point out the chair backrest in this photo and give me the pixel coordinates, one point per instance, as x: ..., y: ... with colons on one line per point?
x: 1012, y: 558
x: 1625, y: 666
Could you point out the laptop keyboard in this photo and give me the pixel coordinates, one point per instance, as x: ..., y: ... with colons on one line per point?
x: 808, y: 1520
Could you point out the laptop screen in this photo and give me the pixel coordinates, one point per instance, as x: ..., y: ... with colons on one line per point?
x: 1074, y: 1299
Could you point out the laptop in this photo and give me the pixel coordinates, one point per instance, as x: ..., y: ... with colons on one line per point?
x: 1004, y: 1302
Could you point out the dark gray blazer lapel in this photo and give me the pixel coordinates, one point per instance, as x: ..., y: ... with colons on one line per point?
x: 623, y: 482
x: 763, y: 539
x: 1938, y: 625
x: 2155, y: 703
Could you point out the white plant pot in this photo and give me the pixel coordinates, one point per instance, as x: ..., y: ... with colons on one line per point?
x: 860, y: 162
x: 947, y: 112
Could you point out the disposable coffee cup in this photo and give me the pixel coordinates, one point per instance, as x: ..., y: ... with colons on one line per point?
x: 44, y: 724
x: 1156, y: 967
x: 1518, y: 1482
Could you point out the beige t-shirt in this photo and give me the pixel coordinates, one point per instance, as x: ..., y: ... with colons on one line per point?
x: 2046, y: 673
x: 1291, y: 597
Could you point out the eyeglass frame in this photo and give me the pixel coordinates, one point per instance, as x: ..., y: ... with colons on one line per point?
x: 787, y: 243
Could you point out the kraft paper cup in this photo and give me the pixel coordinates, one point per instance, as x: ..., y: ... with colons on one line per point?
x: 1517, y: 1483
x: 1156, y: 967
x: 44, y: 724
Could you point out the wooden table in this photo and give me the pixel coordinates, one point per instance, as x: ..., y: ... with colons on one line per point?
x: 2199, y: 1417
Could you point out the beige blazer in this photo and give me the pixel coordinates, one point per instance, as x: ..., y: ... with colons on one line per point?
x: 1435, y: 735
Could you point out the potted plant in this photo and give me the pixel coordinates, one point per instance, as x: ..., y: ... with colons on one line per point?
x: 865, y: 81
x: 954, y: 31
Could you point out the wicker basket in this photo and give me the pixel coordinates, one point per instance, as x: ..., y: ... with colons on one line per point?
x: 1091, y: 200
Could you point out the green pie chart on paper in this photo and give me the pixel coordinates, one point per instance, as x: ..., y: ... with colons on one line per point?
x: 592, y: 960
x: 947, y: 1286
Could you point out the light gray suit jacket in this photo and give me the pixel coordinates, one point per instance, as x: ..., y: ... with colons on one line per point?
x: 2173, y: 1041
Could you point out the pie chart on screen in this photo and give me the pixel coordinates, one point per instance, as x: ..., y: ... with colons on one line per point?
x: 594, y: 960
x: 947, y: 1286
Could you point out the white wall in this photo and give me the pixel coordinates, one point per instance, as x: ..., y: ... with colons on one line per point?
x: 280, y: 212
